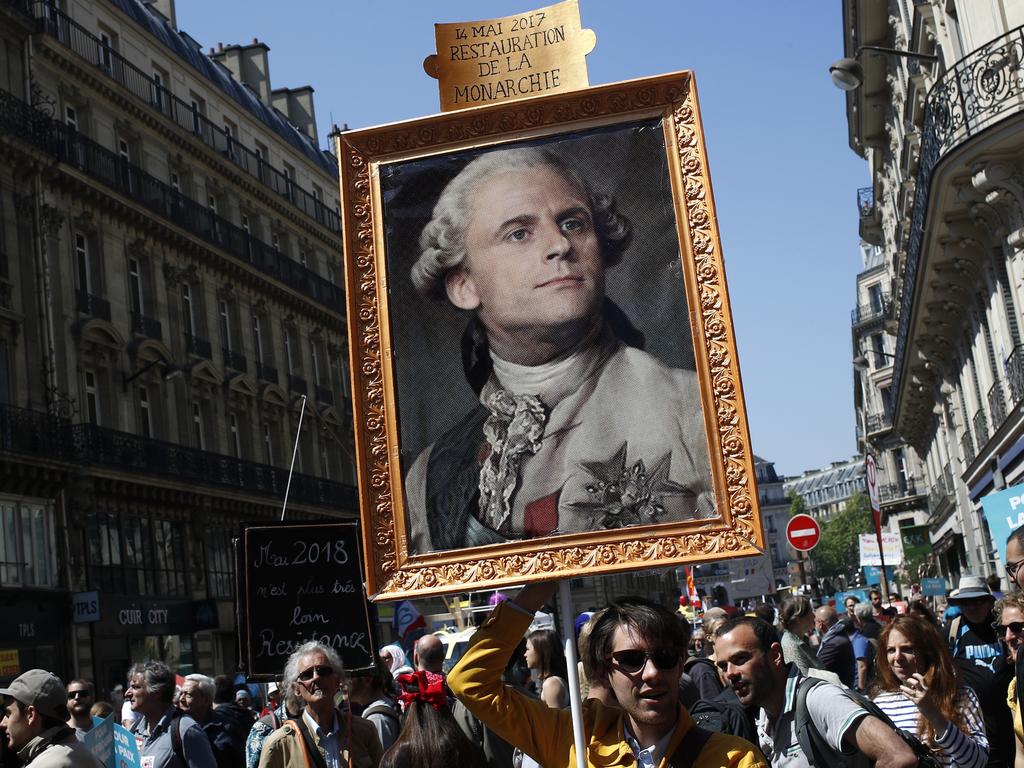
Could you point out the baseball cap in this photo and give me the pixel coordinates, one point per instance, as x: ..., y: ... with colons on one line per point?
x: 42, y: 690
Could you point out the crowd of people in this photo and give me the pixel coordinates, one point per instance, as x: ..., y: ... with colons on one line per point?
x: 792, y: 686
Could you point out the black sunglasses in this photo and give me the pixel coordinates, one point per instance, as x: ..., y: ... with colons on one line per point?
x: 632, y: 661
x: 1017, y: 627
x: 307, y: 674
x: 79, y: 695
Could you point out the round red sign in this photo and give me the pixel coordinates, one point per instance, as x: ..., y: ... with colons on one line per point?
x: 803, y: 532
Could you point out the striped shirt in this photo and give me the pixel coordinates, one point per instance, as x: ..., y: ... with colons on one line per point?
x: 954, y: 748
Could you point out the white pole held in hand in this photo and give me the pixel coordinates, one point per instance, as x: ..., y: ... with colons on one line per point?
x: 575, y: 704
x: 295, y: 450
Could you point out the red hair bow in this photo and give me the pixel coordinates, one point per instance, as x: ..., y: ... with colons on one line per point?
x: 424, y: 686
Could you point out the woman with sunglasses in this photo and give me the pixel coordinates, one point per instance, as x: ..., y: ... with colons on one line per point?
x: 1009, y: 626
x: 918, y: 688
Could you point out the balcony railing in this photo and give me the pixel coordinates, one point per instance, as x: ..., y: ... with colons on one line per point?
x: 268, y: 373
x: 324, y: 395
x: 235, y: 360
x: 78, y: 39
x: 878, y: 422
x: 95, y: 306
x: 146, y: 326
x: 902, y: 490
x: 198, y: 346
x: 133, y: 453
x: 980, y: 427
x: 984, y: 87
x: 996, y: 405
x: 297, y: 384
x: 1015, y: 374
x: 35, y: 433
x: 865, y: 313
x: 967, y: 447
x: 110, y: 169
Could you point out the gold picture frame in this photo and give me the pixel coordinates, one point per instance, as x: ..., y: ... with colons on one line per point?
x: 378, y: 303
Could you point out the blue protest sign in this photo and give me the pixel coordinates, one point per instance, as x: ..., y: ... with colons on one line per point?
x: 873, y: 574
x: 933, y: 587
x: 100, y: 741
x: 1004, y: 511
x: 126, y: 753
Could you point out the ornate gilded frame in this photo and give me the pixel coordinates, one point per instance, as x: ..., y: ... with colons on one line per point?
x: 391, y: 572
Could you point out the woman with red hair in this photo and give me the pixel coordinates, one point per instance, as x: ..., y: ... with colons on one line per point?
x: 917, y: 687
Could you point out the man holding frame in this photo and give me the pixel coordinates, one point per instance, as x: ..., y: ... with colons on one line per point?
x: 636, y: 648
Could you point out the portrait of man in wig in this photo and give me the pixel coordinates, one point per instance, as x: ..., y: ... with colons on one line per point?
x: 575, y: 427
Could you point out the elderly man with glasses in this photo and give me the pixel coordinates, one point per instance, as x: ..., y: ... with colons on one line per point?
x: 636, y: 649
x: 323, y: 736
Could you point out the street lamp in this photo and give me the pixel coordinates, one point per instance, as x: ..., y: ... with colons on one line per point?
x: 848, y: 74
x: 860, y: 362
x: 169, y: 372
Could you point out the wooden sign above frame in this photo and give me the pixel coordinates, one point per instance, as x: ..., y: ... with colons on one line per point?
x: 544, y: 368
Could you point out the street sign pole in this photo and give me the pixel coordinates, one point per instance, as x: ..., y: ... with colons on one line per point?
x: 871, y: 475
x: 803, y: 534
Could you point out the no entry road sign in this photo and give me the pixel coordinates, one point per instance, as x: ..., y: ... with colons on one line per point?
x: 803, y: 533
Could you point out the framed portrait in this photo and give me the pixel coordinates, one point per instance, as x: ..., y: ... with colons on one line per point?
x: 545, y: 380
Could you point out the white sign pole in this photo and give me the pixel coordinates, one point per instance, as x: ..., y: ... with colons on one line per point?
x: 295, y: 450
x: 575, y: 703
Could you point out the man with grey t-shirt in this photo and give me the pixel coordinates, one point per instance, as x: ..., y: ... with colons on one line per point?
x: 749, y: 656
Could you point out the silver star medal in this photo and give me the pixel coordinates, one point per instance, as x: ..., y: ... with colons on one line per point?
x: 624, y: 495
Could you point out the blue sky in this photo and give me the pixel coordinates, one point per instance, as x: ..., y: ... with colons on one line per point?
x: 784, y: 177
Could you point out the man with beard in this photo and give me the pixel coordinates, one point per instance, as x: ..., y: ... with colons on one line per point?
x: 81, y: 697
x: 322, y: 736
x: 982, y: 664
x: 636, y: 649
x: 166, y: 737
x: 750, y: 658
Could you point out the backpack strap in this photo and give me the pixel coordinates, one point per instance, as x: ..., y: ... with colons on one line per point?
x: 313, y: 757
x: 954, y: 634
x: 686, y: 754
x: 818, y: 751
x: 177, y: 744
x: 380, y: 709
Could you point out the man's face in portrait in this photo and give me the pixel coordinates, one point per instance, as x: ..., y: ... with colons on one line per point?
x: 533, y: 269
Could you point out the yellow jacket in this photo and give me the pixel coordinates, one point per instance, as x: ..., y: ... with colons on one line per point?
x: 546, y: 734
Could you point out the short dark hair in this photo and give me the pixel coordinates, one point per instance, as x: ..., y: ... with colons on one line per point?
x: 87, y: 684
x: 649, y: 620
x: 874, y: 591
x: 765, y: 612
x: 1017, y: 534
x: 763, y: 631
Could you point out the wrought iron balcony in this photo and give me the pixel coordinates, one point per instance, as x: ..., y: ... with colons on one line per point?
x: 146, y: 326
x: 95, y: 306
x: 967, y: 447
x: 878, y: 422
x: 324, y: 395
x: 198, y: 346
x: 985, y: 87
x: 133, y: 453
x: 109, y: 169
x: 981, y: 433
x: 266, y: 372
x: 297, y: 384
x: 996, y: 405
x: 35, y: 433
x: 78, y: 39
x: 865, y: 313
x: 902, y: 490
x: 1015, y: 374
x: 235, y: 360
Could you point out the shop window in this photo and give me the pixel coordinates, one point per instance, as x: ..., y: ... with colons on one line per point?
x: 219, y: 564
x: 28, y: 547
x: 105, y: 554
x: 154, y: 557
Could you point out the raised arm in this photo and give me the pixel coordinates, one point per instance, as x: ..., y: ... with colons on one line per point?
x: 880, y: 743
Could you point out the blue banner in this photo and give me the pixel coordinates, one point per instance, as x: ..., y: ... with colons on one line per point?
x: 100, y: 741
x: 933, y: 587
x: 1004, y: 511
x: 873, y: 575
x: 126, y: 753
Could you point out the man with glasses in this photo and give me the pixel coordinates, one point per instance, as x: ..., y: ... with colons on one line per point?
x: 1009, y: 627
x: 81, y: 697
x: 981, y: 663
x: 323, y: 736
x: 636, y: 649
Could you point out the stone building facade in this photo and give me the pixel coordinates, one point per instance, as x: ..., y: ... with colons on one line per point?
x: 170, y: 271
x: 945, y: 210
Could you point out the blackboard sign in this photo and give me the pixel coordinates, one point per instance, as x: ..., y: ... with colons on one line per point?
x: 304, y: 582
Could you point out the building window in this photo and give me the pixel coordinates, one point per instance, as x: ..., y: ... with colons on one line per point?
x: 343, y: 375
x: 878, y: 346
x: 124, y: 151
x: 288, y: 351
x: 106, y: 570
x: 268, y: 445
x: 92, y: 399
x: 316, y: 363
x: 135, y: 287
x: 325, y: 463
x: 106, y: 52
x: 175, y: 179
x: 154, y: 556
x: 225, y: 324
x: 71, y: 117
x: 257, y: 338
x: 246, y: 227
x: 145, y: 414
x: 161, y: 96
x: 188, y: 317
x: 28, y: 545
x: 198, y: 432
x: 83, y: 263
x: 236, y: 439
x: 275, y: 241
x: 875, y: 298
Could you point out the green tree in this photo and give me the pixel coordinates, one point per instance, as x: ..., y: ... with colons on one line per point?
x: 797, y: 505
x: 838, y: 552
